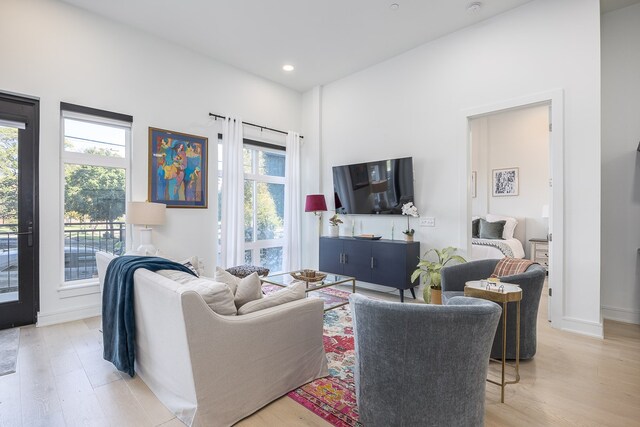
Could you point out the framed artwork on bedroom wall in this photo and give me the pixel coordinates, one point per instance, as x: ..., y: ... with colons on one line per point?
x: 505, y: 182
x: 474, y: 184
x: 177, y: 169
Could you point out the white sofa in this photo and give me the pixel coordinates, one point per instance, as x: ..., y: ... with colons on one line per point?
x: 214, y: 370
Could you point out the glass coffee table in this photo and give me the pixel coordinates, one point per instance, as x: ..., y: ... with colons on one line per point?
x: 323, y: 289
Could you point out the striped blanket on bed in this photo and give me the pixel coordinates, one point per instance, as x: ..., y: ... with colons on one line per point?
x: 496, y: 243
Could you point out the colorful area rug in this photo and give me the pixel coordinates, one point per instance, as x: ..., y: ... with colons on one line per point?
x: 334, y: 397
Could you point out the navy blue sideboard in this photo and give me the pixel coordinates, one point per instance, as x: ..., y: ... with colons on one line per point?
x: 383, y: 262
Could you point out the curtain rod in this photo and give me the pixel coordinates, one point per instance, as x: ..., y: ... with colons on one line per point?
x: 218, y: 116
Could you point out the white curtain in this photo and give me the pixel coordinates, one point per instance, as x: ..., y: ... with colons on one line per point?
x: 232, y: 193
x: 292, y: 205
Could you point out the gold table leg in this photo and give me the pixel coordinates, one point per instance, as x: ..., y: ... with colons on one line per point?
x: 518, y: 342
x: 504, y: 348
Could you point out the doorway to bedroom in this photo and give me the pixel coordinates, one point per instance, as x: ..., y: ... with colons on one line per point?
x: 510, y: 167
x: 511, y: 181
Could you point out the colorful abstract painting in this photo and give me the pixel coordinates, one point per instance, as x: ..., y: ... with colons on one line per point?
x: 177, y: 169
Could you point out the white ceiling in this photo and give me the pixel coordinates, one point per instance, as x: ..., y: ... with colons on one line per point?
x: 324, y: 39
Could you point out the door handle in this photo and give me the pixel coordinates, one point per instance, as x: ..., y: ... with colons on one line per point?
x: 28, y: 233
x: 345, y: 258
x: 372, y: 263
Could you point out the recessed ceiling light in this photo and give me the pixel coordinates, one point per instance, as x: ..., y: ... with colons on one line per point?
x: 474, y: 7
x: 394, y: 6
x: 288, y: 67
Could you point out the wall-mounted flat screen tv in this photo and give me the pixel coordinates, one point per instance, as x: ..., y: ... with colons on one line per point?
x: 380, y: 187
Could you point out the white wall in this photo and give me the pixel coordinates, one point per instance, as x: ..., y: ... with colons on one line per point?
x: 621, y: 164
x: 310, y: 172
x: 59, y: 53
x: 516, y: 138
x: 412, y: 105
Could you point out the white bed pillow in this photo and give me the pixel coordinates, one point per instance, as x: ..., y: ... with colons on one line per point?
x: 509, y: 226
x: 292, y: 292
x: 217, y: 295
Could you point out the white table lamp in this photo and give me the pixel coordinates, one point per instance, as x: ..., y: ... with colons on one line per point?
x: 146, y: 213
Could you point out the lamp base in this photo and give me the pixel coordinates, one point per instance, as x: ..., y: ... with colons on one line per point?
x: 146, y: 248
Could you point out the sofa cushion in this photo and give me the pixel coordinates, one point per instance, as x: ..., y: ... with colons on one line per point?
x: 217, y: 295
x: 292, y: 292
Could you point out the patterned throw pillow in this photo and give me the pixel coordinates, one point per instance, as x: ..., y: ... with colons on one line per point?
x: 191, y: 267
x: 245, y: 270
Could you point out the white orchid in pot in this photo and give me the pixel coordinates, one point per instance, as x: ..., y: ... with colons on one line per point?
x: 410, y: 210
x: 334, y: 223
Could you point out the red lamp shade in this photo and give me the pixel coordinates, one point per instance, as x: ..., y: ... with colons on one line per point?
x: 315, y: 203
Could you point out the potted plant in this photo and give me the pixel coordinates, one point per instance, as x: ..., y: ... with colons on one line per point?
x: 334, y: 222
x: 429, y: 273
x: 410, y: 210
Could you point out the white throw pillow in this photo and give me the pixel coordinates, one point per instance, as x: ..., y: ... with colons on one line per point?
x: 293, y: 292
x: 509, y: 226
x: 228, y: 278
x: 249, y: 289
x: 217, y: 295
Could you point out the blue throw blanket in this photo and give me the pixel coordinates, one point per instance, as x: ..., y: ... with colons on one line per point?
x: 118, y: 320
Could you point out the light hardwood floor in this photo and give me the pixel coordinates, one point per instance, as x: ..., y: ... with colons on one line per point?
x: 61, y: 380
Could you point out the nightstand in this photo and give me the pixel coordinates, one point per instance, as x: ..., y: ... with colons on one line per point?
x: 540, y: 252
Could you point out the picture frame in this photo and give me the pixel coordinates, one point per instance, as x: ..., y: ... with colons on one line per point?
x: 474, y: 184
x: 505, y: 182
x: 178, y: 169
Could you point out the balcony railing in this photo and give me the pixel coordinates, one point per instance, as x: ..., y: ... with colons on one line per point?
x: 81, y: 242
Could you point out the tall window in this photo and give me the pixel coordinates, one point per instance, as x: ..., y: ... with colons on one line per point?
x: 264, y: 187
x: 95, y: 170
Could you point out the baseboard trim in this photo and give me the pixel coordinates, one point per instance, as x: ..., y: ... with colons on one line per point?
x: 63, y: 316
x: 583, y: 327
x: 621, y: 314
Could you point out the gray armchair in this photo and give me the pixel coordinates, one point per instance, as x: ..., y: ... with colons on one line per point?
x: 419, y: 364
x: 531, y: 282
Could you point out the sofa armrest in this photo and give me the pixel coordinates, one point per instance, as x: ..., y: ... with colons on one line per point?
x: 247, y: 361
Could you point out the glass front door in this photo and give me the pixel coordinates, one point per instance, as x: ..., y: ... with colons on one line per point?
x: 18, y: 211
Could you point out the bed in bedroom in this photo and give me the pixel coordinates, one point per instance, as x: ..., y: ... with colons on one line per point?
x: 509, y: 245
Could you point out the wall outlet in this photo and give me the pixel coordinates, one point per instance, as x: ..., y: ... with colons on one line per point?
x: 428, y: 222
